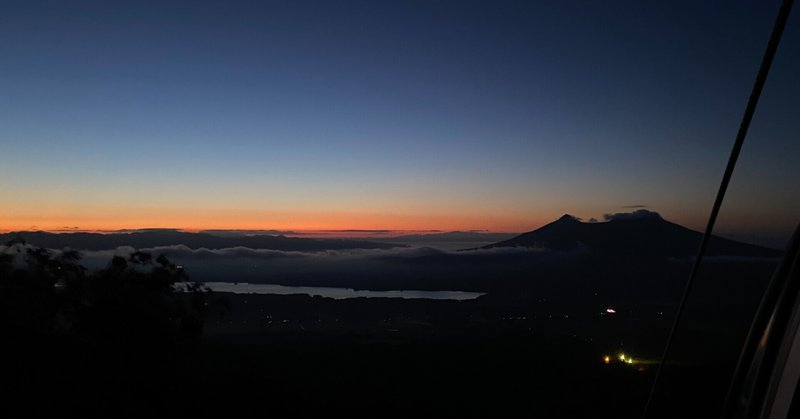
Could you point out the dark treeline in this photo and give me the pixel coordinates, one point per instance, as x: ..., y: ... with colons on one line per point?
x: 48, y: 292
x: 89, y: 343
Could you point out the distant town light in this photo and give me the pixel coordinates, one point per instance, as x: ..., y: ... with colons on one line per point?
x: 610, y: 310
x: 622, y: 357
x: 606, y: 359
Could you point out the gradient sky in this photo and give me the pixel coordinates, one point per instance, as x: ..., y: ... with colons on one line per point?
x: 399, y: 115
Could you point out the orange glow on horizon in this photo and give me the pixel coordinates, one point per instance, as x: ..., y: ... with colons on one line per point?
x: 268, y: 220
x: 48, y: 215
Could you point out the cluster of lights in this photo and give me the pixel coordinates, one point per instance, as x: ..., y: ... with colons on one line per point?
x: 627, y: 360
x: 622, y: 358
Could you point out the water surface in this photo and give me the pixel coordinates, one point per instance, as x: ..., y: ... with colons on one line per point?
x: 337, y: 293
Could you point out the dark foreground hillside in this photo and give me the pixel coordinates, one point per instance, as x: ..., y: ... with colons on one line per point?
x: 572, y: 333
x: 365, y: 358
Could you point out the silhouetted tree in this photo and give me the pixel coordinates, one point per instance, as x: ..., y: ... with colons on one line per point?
x: 114, y: 337
x: 132, y: 299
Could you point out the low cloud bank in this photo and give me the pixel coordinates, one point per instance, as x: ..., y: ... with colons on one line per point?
x: 398, y: 268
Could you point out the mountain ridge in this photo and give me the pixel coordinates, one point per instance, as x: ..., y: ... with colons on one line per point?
x: 148, y: 239
x: 643, y: 233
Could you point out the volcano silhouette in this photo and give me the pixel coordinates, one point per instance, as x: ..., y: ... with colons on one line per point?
x: 643, y: 233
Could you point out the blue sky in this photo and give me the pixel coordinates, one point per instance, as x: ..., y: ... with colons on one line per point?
x: 481, y: 115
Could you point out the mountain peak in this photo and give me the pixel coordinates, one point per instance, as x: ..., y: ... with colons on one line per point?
x: 568, y: 217
x: 634, y: 234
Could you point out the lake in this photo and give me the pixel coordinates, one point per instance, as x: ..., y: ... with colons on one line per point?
x: 338, y: 293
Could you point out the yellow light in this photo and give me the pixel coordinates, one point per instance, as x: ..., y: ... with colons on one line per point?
x: 606, y: 359
x: 622, y: 357
x: 630, y: 360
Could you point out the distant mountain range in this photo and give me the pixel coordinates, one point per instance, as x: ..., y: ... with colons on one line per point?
x: 642, y: 233
x: 452, y: 236
x: 156, y: 238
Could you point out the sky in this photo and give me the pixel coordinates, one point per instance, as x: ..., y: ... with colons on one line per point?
x: 405, y: 115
